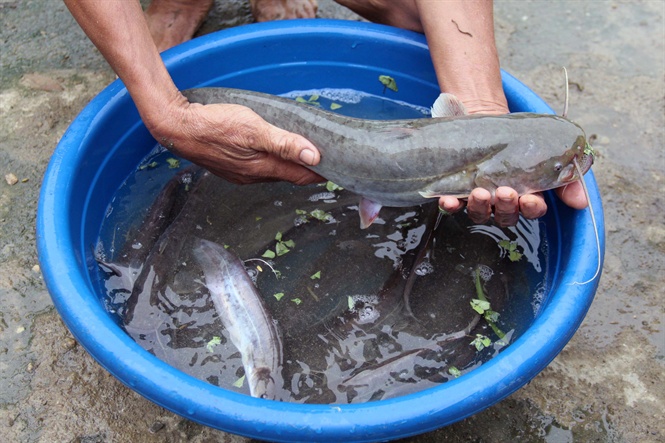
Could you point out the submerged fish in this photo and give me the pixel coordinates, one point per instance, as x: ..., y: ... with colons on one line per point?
x: 241, y: 309
x: 408, y: 162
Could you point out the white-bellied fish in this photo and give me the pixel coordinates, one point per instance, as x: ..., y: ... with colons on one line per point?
x: 244, y: 315
x: 409, y: 162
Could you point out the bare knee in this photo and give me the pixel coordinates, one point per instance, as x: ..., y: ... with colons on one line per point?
x: 399, y: 13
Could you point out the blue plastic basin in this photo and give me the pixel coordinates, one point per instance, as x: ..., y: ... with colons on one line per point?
x: 107, y: 141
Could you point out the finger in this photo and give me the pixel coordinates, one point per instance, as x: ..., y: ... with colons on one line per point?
x: 479, y: 206
x: 506, y: 207
x: 292, y: 147
x: 573, y: 195
x: 533, y: 205
x: 450, y: 204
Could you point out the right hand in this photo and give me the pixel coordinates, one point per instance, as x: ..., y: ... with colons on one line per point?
x: 235, y: 143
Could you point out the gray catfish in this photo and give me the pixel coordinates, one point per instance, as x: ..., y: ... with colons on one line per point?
x: 408, y: 162
x: 241, y: 309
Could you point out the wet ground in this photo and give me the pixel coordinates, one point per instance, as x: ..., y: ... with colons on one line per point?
x: 606, y: 385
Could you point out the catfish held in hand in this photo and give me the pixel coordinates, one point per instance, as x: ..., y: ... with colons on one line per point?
x: 408, y: 162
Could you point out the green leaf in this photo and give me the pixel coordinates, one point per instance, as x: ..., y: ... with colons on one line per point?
x: 481, y: 342
x: 320, y: 214
x: 334, y: 106
x: 388, y: 82
x: 296, y: 301
x: 213, y: 342
x: 490, y: 316
x: 268, y: 254
x: 257, y: 218
x: 514, y: 256
x: 454, y: 371
x: 278, y: 236
x: 174, y: 163
x: 238, y: 383
x: 504, y: 244
x: 289, y: 243
x: 316, y: 275
x: 301, y: 212
x: 301, y: 100
x: 480, y: 306
x: 330, y: 187
x: 313, y: 98
x: 350, y: 302
x: 281, y: 249
x: 278, y: 296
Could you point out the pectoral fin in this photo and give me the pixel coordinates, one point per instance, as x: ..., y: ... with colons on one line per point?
x: 447, y: 105
x: 368, y: 211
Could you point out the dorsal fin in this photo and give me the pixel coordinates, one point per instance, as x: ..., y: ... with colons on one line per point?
x: 447, y: 105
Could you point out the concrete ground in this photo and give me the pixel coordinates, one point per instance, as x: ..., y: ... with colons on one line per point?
x: 606, y: 385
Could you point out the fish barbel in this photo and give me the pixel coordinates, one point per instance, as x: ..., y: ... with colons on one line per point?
x: 409, y: 162
x: 241, y: 309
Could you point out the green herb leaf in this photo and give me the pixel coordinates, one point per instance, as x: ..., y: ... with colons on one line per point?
x: 480, y: 306
x: 296, y: 301
x: 330, y: 187
x: 350, y: 302
x: 334, y: 106
x: 278, y: 236
x: 481, y: 342
x: 238, y: 383
x: 490, y: 316
x: 213, y: 342
x: 281, y: 249
x: 174, y: 163
x: 514, y: 256
x: 268, y: 254
x: 278, y: 296
x: 316, y: 275
x: 301, y: 212
x: 454, y: 371
x: 388, y: 82
x: 257, y: 218
x: 301, y: 100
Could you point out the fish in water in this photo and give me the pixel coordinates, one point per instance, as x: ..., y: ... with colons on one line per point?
x: 405, y: 163
x: 241, y: 309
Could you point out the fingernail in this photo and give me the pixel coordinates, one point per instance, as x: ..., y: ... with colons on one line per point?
x: 307, y: 156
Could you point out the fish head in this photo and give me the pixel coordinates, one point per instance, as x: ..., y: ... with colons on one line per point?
x: 561, y: 169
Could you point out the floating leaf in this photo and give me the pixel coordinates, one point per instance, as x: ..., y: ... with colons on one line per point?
x: 281, y: 249
x: 301, y: 100
x: 268, y: 254
x: 514, y: 256
x: 296, y: 301
x: 238, y: 383
x: 213, y: 342
x: 301, y: 212
x: 388, y: 82
x: 480, y: 306
x: 278, y: 236
x: 278, y: 296
x: 257, y: 218
x: 334, y: 106
x: 316, y: 275
x: 174, y: 163
x: 481, y: 342
x: 454, y: 371
x: 330, y: 187
x: 351, y: 303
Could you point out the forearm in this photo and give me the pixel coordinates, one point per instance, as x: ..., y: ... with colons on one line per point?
x: 119, y: 30
x: 460, y: 35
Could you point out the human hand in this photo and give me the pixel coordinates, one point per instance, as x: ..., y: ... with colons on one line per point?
x: 506, y: 203
x: 233, y: 142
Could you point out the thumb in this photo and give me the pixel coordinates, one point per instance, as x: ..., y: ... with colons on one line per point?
x: 292, y: 147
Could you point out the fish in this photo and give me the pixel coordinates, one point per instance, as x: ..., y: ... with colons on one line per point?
x: 242, y: 311
x: 409, y: 162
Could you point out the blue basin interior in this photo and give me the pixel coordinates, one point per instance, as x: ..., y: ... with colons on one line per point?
x: 107, y: 141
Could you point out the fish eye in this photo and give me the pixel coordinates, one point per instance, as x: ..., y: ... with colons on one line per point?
x: 558, y: 166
